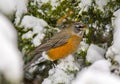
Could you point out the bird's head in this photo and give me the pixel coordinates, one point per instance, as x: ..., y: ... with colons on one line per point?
x: 79, y: 28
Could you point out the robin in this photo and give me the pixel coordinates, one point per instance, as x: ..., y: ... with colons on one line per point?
x: 61, y: 44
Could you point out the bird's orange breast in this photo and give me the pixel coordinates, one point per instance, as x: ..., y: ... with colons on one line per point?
x: 66, y: 49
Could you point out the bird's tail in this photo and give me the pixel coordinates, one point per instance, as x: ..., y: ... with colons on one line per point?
x: 36, y: 60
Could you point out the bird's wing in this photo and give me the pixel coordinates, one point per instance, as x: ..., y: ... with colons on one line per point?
x: 57, y: 40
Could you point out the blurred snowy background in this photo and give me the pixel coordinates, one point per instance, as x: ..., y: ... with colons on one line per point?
x: 25, y: 24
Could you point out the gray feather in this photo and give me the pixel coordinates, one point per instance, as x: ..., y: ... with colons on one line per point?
x: 59, y: 39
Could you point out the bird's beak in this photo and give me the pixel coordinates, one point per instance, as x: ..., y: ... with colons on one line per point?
x: 83, y: 29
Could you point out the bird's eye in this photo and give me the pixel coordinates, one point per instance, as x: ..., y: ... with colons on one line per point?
x: 79, y: 26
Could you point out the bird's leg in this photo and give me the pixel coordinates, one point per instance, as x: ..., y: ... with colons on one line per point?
x: 54, y: 64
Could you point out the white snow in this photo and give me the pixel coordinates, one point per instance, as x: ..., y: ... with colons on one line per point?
x: 101, y: 4
x: 7, y: 7
x: 59, y: 76
x: 68, y: 63
x: 10, y: 57
x: 97, y: 73
x: 29, y: 34
x: 83, y: 46
x: 44, y: 1
x: 38, y: 28
x: 114, y: 50
x: 101, y: 66
x: 95, y: 53
x: 84, y: 4
x: 13, y: 7
x: 21, y: 8
x: 117, y: 58
x: 62, y: 72
x: 116, y: 25
x: 7, y: 29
